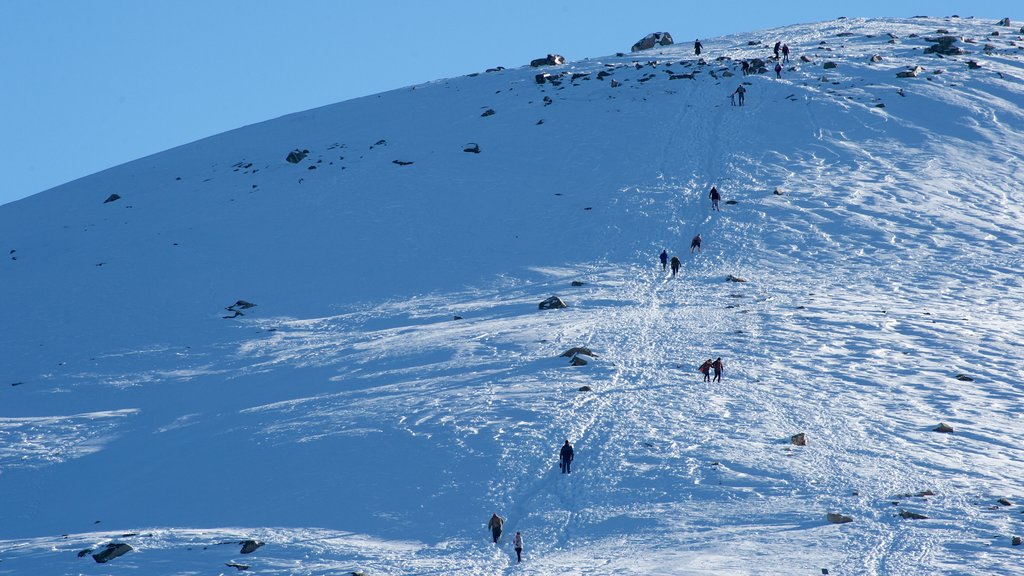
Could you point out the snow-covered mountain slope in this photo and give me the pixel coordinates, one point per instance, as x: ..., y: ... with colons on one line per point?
x: 352, y: 423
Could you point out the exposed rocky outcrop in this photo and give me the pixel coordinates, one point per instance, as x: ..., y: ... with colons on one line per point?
x: 836, y: 518
x: 110, y: 552
x: 578, y: 350
x: 112, y: 198
x: 651, y: 40
x: 944, y: 45
x: 799, y: 439
x: 250, y: 546
x: 552, y: 303
x: 296, y: 156
x: 943, y: 428
x: 549, y: 60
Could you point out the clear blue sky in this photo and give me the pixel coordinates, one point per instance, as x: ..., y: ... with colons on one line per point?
x: 93, y: 84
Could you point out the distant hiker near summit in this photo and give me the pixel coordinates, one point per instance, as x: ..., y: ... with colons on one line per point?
x: 675, y: 265
x: 495, y: 525
x: 705, y: 369
x: 697, y: 47
x: 565, y: 456
x: 715, y: 197
x: 717, y: 367
x: 776, y: 49
x: 664, y: 259
x: 785, y: 52
x: 695, y: 244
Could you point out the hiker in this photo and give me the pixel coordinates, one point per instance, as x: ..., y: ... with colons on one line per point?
x: 717, y: 367
x: 675, y: 265
x: 664, y: 259
x: 715, y: 197
x: 695, y: 244
x: 495, y: 525
x: 785, y: 52
x: 778, y: 71
x: 740, y: 91
x: 746, y: 67
x: 705, y: 369
x: 776, y: 49
x: 565, y: 456
x: 517, y: 542
x: 697, y: 47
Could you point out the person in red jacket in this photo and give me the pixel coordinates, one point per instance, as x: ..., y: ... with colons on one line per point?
x: 705, y: 369
x: 717, y: 367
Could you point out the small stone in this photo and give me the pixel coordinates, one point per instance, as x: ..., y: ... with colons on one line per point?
x: 837, y: 518
x: 584, y: 389
x: 112, y: 198
x: 798, y: 439
x: 1015, y: 541
x: 110, y: 552
x: 1005, y: 502
x: 553, y: 302
x: 943, y: 428
x: 964, y: 378
x: 912, y: 515
x: 731, y: 278
x: 578, y: 350
x: 577, y: 283
x: 488, y: 112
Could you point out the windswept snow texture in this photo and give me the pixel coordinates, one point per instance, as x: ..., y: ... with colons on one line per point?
x: 395, y: 382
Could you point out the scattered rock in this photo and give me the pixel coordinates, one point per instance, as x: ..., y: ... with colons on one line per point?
x: 876, y: 58
x: 798, y: 439
x: 1005, y: 502
x: 296, y: 156
x: 110, y: 552
x: 910, y: 72
x: 457, y: 317
x: 112, y: 198
x: 944, y: 45
x: 549, y: 60
x: 472, y: 147
x: 912, y: 515
x: 552, y: 303
x: 250, y: 546
x: 401, y: 162
x: 777, y: 192
x: 83, y: 553
x: 577, y: 283
x: 973, y: 64
x: 541, y: 78
x: 495, y: 69
x: 731, y: 202
x: 829, y: 65
x: 651, y: 40
x: 837, y: 518
x: 240, y: 567
x: 731, y: 278
x: 578, y: 350
x: 241, y: 304
x: 1004, y: 22
x: 964, y: 378
x: 584, y: 389
x: 488, y: 112
x: 880, y: 105
x: 603, y: 74
x: 944, y: 428
x: 1015, y: 541
x: 614, y: 83
x: 804, y: 58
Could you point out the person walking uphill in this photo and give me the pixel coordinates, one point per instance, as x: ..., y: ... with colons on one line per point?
x: 695, y: 244
x: 517, y: 543
x: 675, y: 265
x: 778, y: 71
x: 664, y: 259
x: 495, y: 525
x: 741, y: 92
x: 697, y: 47
x: 565, y: 456
x: 715, y: 197
x: 705, y: 369
x: 717, y: 367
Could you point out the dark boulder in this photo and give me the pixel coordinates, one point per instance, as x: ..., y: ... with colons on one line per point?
x: 944, y: 45
x: 250, y: 546
x: 798, y: 439
x: 472, y: 147
x: 578, y: 350
x: 731, y: 278
x: 651, y: 40
x: 296, y: 156
x: 943, y: 428
x: 111, y: 551
x: 837, y: 518
x: 552, y: 303
x: 912, y: 515
x: 577, y: 283
x: 112, y: 198
x: 488, y: 112
x: 549, y: 60
x: 584, y: 389
x: 578, y: 360
x: 830, y: 65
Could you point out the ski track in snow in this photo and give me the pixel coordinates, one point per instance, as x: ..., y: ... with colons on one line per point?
x: 869, y: 293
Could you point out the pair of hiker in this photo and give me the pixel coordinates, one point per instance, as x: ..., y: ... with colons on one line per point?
x: 708, y: 366
x: 784, y: 49
x: 495, y: 524
x: 675, y: 263
x: 740, y: 92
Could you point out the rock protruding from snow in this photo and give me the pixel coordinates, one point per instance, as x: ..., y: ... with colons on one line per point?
x: 910, y: 72
x: 944, y: 428
x: 836, y: 518
x: 250, y: 546
x: 799, y: 439
x: 552, y: 303
x: 112, y: 198
x: 912, y: 515
x: 944, y: 45
x: 578, y: 350
x: 1016, y: 541
x: 731, y: 278
x: 296, y: 156
x: 111, y: 551
x: 580, y: 360
x: 651, y: 40
x: 829, y: 65
x: 549, y: 60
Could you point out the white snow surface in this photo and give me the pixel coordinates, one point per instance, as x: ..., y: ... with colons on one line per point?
x: 353, y: 424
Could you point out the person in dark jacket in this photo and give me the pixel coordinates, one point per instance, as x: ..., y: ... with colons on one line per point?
x: 717, y: 367
x: 778, y: 71
x: 695, y: 244
x: 715, y: 197
x: 785, y: 52
x: 746, y: 67
x: 741, y: 92
x: 675, y: 265
x: 495, y: 525
x: 697, y: 47
x: 565, y: 456
x: 664, y: 259
x: 705, y: 369
x: 776, y: 49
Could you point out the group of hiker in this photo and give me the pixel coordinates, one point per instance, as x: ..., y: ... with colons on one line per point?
x: 781, y: 52
x: 710, y: 365
x: 497, y: 523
